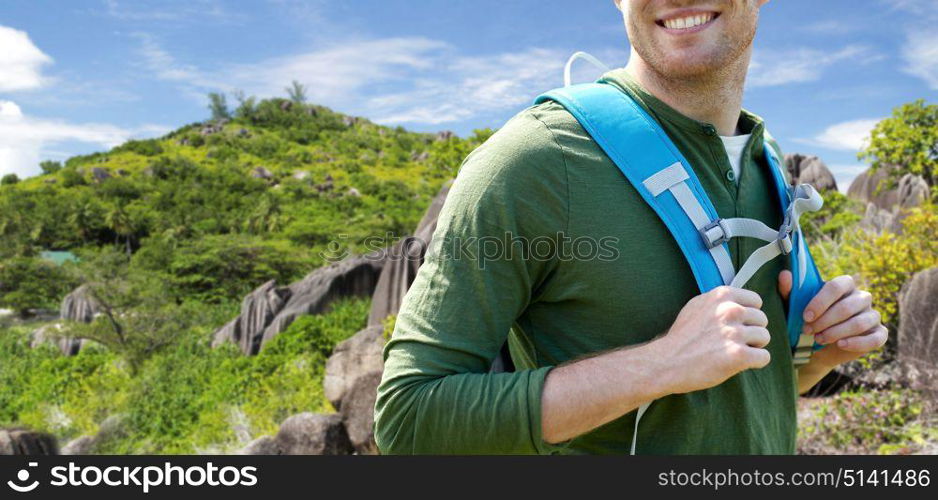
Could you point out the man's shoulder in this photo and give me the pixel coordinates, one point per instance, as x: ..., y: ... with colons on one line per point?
x: 527, y: 146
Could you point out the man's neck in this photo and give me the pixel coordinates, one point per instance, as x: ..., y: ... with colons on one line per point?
x: 715, y: 98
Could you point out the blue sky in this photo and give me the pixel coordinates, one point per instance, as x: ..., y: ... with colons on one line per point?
x: 84, y: 75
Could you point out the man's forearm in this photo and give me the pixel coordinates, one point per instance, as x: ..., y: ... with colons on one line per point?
x: 810, y: 374
x: 715, y: 336
x: 583, y: 395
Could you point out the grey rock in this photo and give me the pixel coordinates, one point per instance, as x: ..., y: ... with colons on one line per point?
x: 352, y: 358
x: 354, y: 193
x: 358, y: 408
x: 873, y: 187
x: 112, y: 428
x: 445, y: 135
x: 262, y: 173
x: 301, y: 175
x: 353, y: 277
x: 79, y: 305
x: 419, y: 157
x: 886, y: 206
x: 53, y: 334
x: 918, y: 331
x: 403, y: 261
x: 877, y: 220
x: 912, y: 191
x: 313, y: 434
x: 269, y: 310
x: 25, y: 442
x: 83, y: 445
x: 213, y: 128
x: 100, y: 174
x: 258, y: 309
x: 265, y: 445
x: 809, y: 169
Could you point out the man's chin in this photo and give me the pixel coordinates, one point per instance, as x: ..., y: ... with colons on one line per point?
x: 688, y: 68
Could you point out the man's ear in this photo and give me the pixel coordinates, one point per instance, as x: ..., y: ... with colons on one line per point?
x: 619, y: 4
x: 761, y: 2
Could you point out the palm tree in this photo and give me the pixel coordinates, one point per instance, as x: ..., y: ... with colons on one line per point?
x: 296, y: 92
x: 122, y: 224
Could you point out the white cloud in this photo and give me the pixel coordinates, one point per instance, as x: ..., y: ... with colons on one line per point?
x: 920, y: 53
x: 845, y: 136
x: 23, y: 138
x: 469, y: 86
x: 170, y: 11
x: 21, y: 61
x: 391, y: 80
x: 340, y: 72
x: 829, y: 27
x: 781, y: 67
x: 920, y: 49
x: 921, y: 8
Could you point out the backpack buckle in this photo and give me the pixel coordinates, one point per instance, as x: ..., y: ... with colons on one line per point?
x: 714, y: 234
x: 784, y: 235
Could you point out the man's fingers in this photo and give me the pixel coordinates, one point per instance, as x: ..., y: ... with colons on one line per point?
x: 757, y: 358
x: 865, y: 343
x: 831, y: 292
x: 847, y: 307
x: 857, y: 325
x: 755, y: 336
x: 755, y: 317
x: 741, y: 296
x: 784, y: 284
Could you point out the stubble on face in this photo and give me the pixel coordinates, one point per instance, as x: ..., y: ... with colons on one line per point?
x: 719, y: 51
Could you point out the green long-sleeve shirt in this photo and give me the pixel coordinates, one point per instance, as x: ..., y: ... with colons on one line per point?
x: 545, y: 189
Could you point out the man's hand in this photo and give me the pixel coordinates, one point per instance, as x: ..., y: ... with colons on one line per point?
x: 842, y: 319
x: 715, y: 336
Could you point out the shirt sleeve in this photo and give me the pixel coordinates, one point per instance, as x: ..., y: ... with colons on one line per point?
x: 495, y: 244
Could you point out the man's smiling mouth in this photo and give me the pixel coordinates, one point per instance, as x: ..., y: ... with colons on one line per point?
x: 688, y: 22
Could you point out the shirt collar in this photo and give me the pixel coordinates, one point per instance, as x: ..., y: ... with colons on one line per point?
x: 749, y: 123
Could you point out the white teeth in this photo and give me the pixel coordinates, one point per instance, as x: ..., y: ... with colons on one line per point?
x: 687, y: 22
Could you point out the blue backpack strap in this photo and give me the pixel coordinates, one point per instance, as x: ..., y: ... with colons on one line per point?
x: 646, y: 156
x: 650, y: 161
x: 806, y: 279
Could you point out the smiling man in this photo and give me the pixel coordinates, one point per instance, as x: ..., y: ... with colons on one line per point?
x: 595, y: 339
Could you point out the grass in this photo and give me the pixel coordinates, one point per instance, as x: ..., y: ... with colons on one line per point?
x: 187, y: 399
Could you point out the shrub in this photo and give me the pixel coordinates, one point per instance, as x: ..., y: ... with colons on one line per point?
x: 884, y: 262
x: 839, y: 213
x: 865, y: 421
x: 225, y: 267
x: 187, y: 398
x: 32, y: 283
x: 148, y: 147
x: 49, y: 167
x: 907, y: 139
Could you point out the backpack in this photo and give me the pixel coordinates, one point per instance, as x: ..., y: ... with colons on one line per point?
x: 641, y: 149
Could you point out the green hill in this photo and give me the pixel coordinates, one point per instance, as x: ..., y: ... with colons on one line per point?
x: 219, y: 207
x: 173, y: 232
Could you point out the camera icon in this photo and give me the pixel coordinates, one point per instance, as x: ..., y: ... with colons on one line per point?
x: 23, y: 476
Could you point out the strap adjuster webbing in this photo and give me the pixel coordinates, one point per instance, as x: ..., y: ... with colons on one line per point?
x: 784, y: 235
x: 714, y: 234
